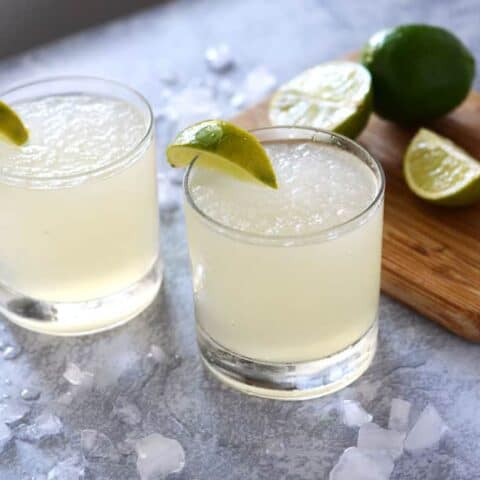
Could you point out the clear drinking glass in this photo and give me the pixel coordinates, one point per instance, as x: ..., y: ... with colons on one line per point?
x: 79, y: 248
x: 288, y: 317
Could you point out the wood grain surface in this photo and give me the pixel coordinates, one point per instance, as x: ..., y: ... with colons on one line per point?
x: 431, y: 255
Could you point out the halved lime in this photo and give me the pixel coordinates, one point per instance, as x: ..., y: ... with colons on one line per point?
x: 334, y: 96
x: 11, y: 126
x: 441, y: 172
x: 223, y: 146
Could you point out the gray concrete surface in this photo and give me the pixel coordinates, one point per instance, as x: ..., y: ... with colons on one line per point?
x: 227, y: 435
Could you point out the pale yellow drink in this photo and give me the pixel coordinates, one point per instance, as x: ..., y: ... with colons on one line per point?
x: 78, y: 217
x: 287, y: 276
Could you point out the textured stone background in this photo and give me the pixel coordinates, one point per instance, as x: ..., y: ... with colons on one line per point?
x: 227, y: 435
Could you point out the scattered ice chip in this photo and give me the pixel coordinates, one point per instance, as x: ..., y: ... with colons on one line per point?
x: 5, y: 437
x: 156, y: 353
x: 219, y: 57
x: 427, y: 431
x: 12, y: 412
x: 355, y: 464
x: 11, y: 352
x: 74, y: 375
x: 96, y: 444
x: 30, y: 394
x: 371, y: 437
x: 275, y: 447
x: 158, y: 456
x: 44, y: 426
x: 399, y: 415
x: 127, y: 412
x: 187, y: 106
x: 257, y: 84
x: 69, y: 469
x: 7, y: 381
x: 238, y: 100
x: 65, y: 398
x: 354, y: 414
x: 226, y: 87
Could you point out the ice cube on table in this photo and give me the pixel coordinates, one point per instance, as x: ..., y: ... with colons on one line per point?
x: 95, y: 444
x: 158, y: 456
x: 219, y: 58
x: 399, y: 415
x: 11, y: 352
x: 12, y: 412
x: 5, y: 437
x: 356, y: 464
x: 44, y: 426
x: 69, y: 469
x: 427, y: 431
x: 76, y: 376
x: 30, y: 394
x: 371, y: 437
x: 354, y: 415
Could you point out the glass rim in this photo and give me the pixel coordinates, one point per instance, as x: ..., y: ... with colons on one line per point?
x: 312, y: 237
x: 94, y: 171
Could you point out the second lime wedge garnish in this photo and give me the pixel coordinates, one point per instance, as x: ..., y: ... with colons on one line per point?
x: 223, y: 146
x: 11, y: 126
x: 333, y: 96
x: 441, y: 172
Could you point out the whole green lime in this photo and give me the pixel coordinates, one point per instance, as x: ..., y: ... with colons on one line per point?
x: 419, y: 72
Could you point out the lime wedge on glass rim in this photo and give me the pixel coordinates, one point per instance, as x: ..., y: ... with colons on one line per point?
x: 222, y: 146
x: 11, y: 127
x: 333, y: 96
x: 440, y: 172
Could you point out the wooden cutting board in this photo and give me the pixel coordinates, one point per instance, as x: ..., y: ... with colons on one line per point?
x: 431, y: 255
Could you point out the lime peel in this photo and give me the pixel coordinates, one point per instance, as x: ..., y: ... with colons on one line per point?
x: 440, y: 172
x: 11, y: 126
x: 223, y: 146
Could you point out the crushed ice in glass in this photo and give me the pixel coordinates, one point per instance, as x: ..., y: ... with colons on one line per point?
x: 354, y: 415
x: 371, y: 437
x: 12, y: 412
x: 219, y: 58
x: 399, y: 415
x: 365, y: 465
x: 44, y: 426
x: 95, y: 444
x: 75, y: 376
x: 427, y: 431
x: 158, y: 456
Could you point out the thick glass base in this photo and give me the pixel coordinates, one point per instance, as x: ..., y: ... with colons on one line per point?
x: 289, y: 381
x: 82, y: 318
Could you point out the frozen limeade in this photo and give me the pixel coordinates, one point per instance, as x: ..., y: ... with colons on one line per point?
x: 79, y: 216
x: 286, y: 280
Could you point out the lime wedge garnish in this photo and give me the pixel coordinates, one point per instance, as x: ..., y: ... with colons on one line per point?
x: 11, y: 126
x: 333, y: 96
x: 441, y: 172
x: 222, y: 146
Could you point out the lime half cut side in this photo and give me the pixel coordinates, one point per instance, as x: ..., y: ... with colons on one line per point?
x: 11, y: 126
x: 223, y: 146
x: 333, y: 96
x: 441, y: 172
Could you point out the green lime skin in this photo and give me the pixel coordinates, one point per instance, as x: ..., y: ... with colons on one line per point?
x: 419, y: 72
